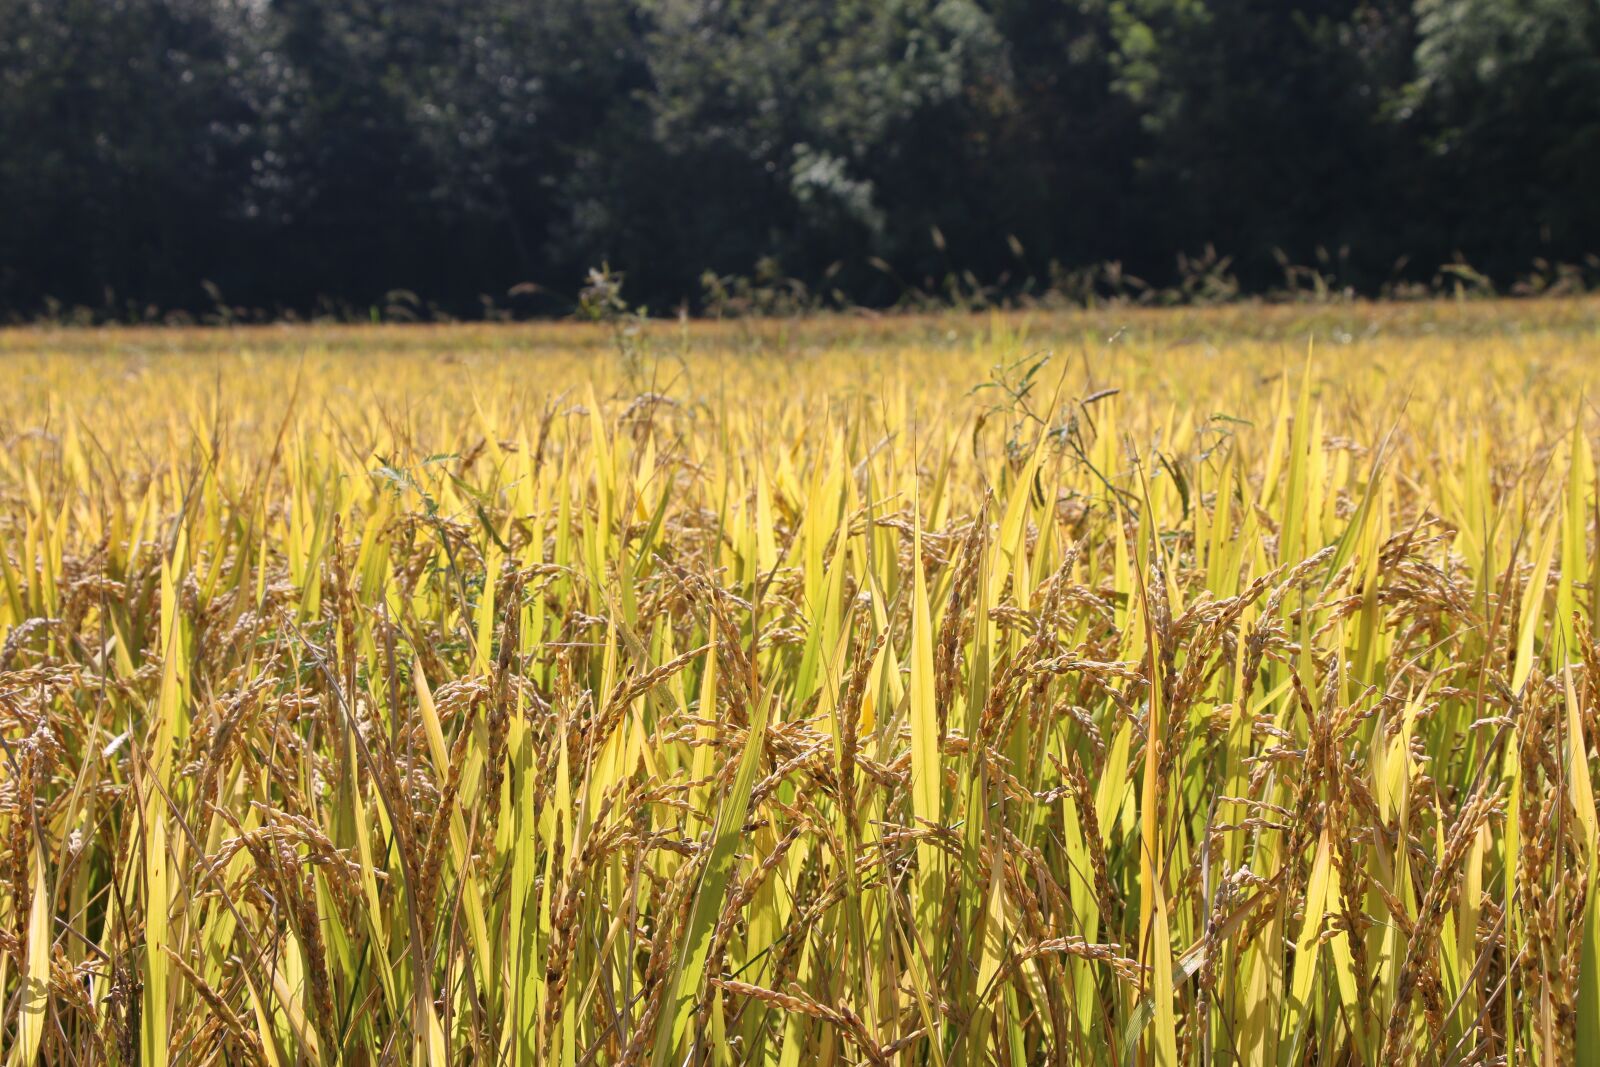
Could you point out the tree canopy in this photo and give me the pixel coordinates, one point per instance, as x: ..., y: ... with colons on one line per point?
x: 292, y: 155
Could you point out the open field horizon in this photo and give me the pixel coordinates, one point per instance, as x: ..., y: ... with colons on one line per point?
x: 1120, y: 686
x: 1246, y: 318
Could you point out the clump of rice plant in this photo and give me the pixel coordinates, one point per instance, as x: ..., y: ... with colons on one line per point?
x: 449, y: 695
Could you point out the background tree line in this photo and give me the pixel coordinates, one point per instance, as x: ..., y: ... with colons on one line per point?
x: 291, y: 155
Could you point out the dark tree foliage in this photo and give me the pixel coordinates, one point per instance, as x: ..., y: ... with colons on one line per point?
x: 296, y: 155
x: 1508, y: 97
x: 1267, y: 125
x: 131, y: 133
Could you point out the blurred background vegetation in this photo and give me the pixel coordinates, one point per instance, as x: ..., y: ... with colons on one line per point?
x: 475, y: 158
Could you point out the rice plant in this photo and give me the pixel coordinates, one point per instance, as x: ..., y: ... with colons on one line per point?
x: 1085, y: 690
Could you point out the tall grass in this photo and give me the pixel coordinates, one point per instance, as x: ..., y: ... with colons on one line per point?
x: 453, y: 697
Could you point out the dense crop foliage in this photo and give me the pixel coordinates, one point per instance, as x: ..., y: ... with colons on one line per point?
x: 770, y: 694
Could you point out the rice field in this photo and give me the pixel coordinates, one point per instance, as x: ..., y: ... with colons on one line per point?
x: 1120, y: 687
